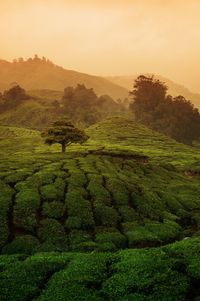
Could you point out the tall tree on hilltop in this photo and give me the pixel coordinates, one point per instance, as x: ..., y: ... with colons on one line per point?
x: 147, y: 94
x: 64, y: 133
x: 175, y: 117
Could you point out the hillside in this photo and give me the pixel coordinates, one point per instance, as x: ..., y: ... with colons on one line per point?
x: 174, y: 88
x: 34, y: 113
x: 65, y: 218
x: 98, y: 196
x: 38, y: 74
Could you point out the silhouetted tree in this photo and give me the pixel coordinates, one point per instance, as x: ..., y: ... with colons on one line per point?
x: 175, y: 117
x: 82, y: 105
x: 13, y: 97
x: 147, y: 94
x: 15, y: 93
x: 64, y: 133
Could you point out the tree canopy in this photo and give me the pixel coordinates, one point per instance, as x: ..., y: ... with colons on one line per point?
x: 152, y: 106
x: 83, y: 106
x: 13, y: 97
x: 64, y: 133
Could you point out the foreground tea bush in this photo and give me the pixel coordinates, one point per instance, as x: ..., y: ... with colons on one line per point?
x: 166, y: 273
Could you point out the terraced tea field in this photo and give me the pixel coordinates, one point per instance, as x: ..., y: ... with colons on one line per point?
x: 126, y: 188
x: 100, y: 196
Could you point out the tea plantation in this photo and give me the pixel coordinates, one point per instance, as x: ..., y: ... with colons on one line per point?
x: 102, y: 221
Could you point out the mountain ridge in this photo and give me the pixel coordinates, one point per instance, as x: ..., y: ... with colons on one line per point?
x: 40, y: 74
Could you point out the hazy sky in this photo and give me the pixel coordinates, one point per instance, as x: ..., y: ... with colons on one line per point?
x: 107, y: 37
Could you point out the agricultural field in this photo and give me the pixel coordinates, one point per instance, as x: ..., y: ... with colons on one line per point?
x: 162, y: 274
x: 90, y: 222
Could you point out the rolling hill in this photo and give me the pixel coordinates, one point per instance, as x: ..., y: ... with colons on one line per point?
x: 100, y: 196
x: 38, y: 74
x: 174, y: 88
x: 117, y: 218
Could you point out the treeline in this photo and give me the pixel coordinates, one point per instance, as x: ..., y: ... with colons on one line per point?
x: 152, y: 106
x: 173, y: 116
x: 80, y: 104
x: 36, y: 58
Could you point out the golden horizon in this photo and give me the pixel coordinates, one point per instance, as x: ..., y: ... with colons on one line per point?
x: 107, y: 38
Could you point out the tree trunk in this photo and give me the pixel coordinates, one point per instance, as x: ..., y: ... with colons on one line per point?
x: 63, y: 148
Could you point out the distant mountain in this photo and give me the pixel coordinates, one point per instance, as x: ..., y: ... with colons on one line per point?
x: 39, y: 74
x: 174, y: 88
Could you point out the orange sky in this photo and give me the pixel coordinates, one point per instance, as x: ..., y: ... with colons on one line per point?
x: 107, y: 37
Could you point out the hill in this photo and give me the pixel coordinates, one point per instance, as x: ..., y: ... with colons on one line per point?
x: 39, y: 74
x: 65, y: 218
x: 99, y: 196
x: 174, y: 88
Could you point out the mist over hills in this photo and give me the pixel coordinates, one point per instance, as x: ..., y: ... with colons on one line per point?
x: 43, y: 74
x: 175, y: 89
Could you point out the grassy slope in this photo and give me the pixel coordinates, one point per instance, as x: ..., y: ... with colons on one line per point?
x: 126, y: 187
x: 34, y: 113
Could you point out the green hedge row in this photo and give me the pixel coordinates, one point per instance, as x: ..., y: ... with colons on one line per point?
x: 169, y: 273
x: 6, y: 194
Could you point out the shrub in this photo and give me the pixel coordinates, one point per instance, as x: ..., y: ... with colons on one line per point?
x: 128, y: 214
x: 53, y: 209
x: 8, y: 260
x: 23, y: 280
x: 99, y: 193
x: 171, y: 202
x: 17, y: 176
x: 77, y: 237
x: 75, y: 192
x: 77, y: 179
x: 26, y: 205
x: 81, y: 211
x: 25, y: 244
x: 145, y: 275
x: 52, y: 232
x: 6, y: 194
x: 54, y: 191
x: 58, y: 290
x: 139, y: 235
x: 148, y: 205
x: 116, y: 238
x: 106, y: 216
x: 166, y: 231
x: 119, y: 192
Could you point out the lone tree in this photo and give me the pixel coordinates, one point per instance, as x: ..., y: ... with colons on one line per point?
x: 64, y: 133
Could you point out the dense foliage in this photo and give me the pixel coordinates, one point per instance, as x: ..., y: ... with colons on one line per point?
x: 80, y: 104
x: 175, y: 117
x: 170, y: 273
x: 83, y: 106
x: 12, y: 97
